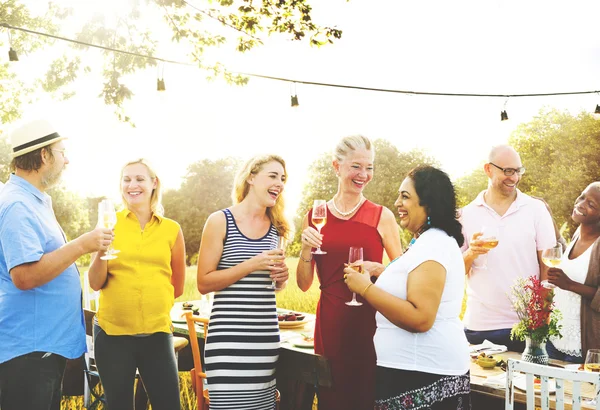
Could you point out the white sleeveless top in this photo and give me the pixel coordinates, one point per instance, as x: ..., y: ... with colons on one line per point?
x: 569, y: 303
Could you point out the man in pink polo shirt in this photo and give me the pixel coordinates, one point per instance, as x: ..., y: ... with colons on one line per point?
x: 524, y: 229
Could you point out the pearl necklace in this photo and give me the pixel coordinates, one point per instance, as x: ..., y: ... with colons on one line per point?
x: 345, y: 213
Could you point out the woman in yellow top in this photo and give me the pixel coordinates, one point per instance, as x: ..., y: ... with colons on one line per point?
x: 137, y: 290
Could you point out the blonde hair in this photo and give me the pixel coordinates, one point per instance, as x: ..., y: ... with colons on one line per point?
x: 156, y: 197
x: 351, y: 143
x: 241, y: 188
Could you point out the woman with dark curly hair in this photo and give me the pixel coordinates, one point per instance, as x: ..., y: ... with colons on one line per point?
x: 422, y: 352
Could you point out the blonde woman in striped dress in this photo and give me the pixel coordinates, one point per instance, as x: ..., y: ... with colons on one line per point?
x: 237, y: 260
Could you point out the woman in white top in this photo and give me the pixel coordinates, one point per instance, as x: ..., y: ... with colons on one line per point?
x: 577, y: 283
x: 422, y: 352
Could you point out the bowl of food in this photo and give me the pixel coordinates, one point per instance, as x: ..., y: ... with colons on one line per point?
x: 486, y: 362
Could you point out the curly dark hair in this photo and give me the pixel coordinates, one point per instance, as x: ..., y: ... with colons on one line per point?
x: 436, y: 193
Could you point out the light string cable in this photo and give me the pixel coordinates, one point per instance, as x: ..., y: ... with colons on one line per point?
x: 315, y: 83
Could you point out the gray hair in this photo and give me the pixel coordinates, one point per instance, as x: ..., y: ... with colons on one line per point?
x: 351, y: 143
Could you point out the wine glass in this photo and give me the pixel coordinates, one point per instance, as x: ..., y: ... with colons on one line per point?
x: 355, y: 258
x: 489, y: 237
x: 319, y: 219
x: 108, y: 218
x: 592, y: 364
x: 551, y: 258
x: 281, y: 244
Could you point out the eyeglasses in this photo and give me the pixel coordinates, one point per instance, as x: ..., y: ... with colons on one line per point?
x: 509, y: 172
x: 62, y: 151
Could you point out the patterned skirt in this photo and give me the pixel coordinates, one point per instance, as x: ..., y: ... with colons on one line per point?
x: 409, y: 390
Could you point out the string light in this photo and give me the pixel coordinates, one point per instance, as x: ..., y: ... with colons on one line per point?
x: 160, y: 80
x: 504, y: 115
x: 12, y: 54
x: 294, y: 95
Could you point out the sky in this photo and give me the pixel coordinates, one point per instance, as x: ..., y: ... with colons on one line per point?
x: 499, y: 47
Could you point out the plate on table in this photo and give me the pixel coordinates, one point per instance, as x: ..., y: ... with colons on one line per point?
x: 574, y: 366
x: 301, y: 341
x: 520, y: 382
x: 292, y: 324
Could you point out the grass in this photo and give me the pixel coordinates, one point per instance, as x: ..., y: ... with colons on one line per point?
x: 290, y: 298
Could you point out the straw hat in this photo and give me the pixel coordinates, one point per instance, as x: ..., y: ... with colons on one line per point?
x: 31, y: 136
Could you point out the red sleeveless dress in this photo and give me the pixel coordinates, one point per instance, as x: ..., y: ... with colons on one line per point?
x: 344, y: 334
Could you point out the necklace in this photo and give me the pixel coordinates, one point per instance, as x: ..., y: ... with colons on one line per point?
x: 345, y: 213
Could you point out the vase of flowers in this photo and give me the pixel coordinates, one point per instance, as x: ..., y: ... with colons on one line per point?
x: 538, y: 319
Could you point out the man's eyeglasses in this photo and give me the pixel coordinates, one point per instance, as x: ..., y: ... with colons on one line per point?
x: 509, y: 172
x: 62, y: 151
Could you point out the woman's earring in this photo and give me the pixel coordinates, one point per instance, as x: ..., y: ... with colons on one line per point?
x: 428, y: 221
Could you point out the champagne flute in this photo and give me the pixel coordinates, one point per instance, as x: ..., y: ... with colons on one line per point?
x: 592, y: 364
x: 319, y: 219
x: 551, y: 258
x: 355, y: 258
x: 108, y: 218
x: 489, y: 237
x: 281, y: 244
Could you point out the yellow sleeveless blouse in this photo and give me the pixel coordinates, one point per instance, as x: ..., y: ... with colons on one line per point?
x: 138, y: 295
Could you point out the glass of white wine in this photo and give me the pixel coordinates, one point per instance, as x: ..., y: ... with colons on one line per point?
x: 551, y: 258
x: 108, y: 218
x: 592, y: 364
x: 319, y: 219
x: 281, y: 244
x: 355, y: 258
x: 489, y: 238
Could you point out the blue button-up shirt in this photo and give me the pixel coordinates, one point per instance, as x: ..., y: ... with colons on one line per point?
x: 48, y: 318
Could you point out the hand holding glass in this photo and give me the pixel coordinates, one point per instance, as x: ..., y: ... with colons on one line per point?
x: 319, y: 219
x: 108, y: 219
x: 355, y: 255
x: 489, y: 239
x: 551, y: 258
x: 281, y: 244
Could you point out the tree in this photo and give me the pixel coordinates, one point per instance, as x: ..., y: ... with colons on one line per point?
x: 469, y: 186
x: 12, y: 90
x: 561, y: 153
x: 5, y: 158
x: 391, y: 167
x: 206, y: 189
x: 138, y: 29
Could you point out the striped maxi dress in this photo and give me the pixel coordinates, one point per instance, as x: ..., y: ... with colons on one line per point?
x: 242, y: 347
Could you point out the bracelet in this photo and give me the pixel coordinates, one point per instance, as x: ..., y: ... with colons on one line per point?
x: 365, y: 290
x: 306, y: 260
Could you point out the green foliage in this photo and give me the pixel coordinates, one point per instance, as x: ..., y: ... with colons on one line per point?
x: 562, y: 155
x: 469, y: 186
x: 14, y: 92
x: 205, y: 189
x: 5, y: 158
x: 391, y: 167
x: 138, y: 31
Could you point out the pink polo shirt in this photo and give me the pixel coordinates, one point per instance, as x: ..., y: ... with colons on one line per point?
x: 524, y: 229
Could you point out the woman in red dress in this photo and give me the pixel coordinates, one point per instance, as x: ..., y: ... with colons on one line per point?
x: 344, y: 334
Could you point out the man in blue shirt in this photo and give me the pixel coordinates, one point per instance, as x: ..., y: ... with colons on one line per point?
x: 41, y: 320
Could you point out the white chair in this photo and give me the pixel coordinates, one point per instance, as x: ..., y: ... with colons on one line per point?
x: 91, y: 298
x: 545, y: 372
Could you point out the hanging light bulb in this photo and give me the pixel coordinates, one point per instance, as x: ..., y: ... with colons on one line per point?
x: 503, y: 114
x: 12, y: 54
x: 294, y: 95
x: 160, y: 81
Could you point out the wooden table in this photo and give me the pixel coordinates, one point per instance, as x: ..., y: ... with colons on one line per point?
x: 493, y: 398
x: 301, y: 372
